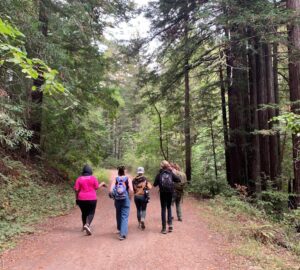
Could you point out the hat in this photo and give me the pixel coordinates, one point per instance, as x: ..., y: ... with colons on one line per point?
x: 140, y: 170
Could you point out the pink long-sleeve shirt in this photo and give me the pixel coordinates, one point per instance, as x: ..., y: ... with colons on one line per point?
x: 86, y: 187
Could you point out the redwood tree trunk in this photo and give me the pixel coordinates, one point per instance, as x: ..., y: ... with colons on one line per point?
x: 273, y: 139
x: 254, y: 151
x: 294, y: 84
x: 224, y: 118
x: 262, y: 99
x: 237, y: 106
x: 276, y: 92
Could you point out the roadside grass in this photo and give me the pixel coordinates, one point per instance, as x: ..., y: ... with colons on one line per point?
x: 265, y: 244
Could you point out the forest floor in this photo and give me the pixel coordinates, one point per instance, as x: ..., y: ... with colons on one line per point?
x: 59, y: 244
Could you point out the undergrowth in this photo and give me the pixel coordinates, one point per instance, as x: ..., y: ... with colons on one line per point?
x: 268, y: 242
x: 26, y: 198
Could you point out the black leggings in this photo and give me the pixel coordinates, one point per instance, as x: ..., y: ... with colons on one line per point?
x: 87, y: 211
x: 165, y: 202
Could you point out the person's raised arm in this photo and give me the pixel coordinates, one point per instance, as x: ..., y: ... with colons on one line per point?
x: 102, y: 184
x: 175, y: 178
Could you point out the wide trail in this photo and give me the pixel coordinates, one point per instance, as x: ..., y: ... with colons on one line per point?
x: 59, y: 243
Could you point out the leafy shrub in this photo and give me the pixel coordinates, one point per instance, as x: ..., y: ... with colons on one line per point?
x: 292, y: 217
x: 209, y: 188
x: 274, y: 203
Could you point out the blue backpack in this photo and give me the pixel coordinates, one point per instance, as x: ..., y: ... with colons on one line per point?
x: 120, y: 190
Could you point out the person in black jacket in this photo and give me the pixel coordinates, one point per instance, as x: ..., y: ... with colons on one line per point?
x: 165, y: 180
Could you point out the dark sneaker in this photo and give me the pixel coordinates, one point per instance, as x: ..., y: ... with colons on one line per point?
x: 143, y: 225
x: 87, y: 229
x: 164, y: 231
x: 122, y: 237
x: 180, y: 219
x: 170, y: 228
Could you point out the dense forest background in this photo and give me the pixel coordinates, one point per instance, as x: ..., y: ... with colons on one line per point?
x: 219, y: 94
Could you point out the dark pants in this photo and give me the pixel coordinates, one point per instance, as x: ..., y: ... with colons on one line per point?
x: 122, y: 215
x: 87, y: 211
x: 141, y: 206
x: 177, y: 200
x: 165, y: 202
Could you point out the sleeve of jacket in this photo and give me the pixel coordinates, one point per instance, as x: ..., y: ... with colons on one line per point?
x: 175, y: 178
x: 156, y: 181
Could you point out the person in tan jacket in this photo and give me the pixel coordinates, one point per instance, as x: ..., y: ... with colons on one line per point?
x: 178, y: 189
x: 141, y: 187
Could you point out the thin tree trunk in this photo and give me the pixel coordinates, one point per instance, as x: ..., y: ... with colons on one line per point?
x: 160, y: 133
x: 187, y: 128
x: 213, y: 148
x: 294, y: 84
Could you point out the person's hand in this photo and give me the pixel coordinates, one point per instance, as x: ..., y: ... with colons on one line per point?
x: 104, y: 185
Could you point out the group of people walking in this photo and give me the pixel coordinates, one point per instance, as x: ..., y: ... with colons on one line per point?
x: 170, y: 180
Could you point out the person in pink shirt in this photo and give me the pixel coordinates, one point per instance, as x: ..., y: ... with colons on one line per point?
x: 86, y: 196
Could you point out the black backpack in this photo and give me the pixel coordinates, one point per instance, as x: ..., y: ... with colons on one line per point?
x: 166, y: 182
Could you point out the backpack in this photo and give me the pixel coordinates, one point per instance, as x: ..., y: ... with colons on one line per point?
x: 166, y: 182
x: 179, y: 187
x: 120, y: 190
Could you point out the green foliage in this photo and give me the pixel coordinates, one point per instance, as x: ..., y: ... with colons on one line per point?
x: 102, y: 175
x: 13, y: 132
x: 290, y: 122
x: 32, y: 68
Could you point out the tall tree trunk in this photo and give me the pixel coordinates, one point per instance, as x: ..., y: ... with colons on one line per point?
x: 187, y: 128
x: 35, y: 118
x: 273, y: 138
x: 237, y: 96
x: 224, y: 118
x: 294, y: 84
x: 262, y: 99
x: 276, y: 92
x: 254, y: 151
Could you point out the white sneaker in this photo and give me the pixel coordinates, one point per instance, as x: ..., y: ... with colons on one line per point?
x: 87, y: 229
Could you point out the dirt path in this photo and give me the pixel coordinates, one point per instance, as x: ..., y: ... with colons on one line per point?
x: 59, y: 244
